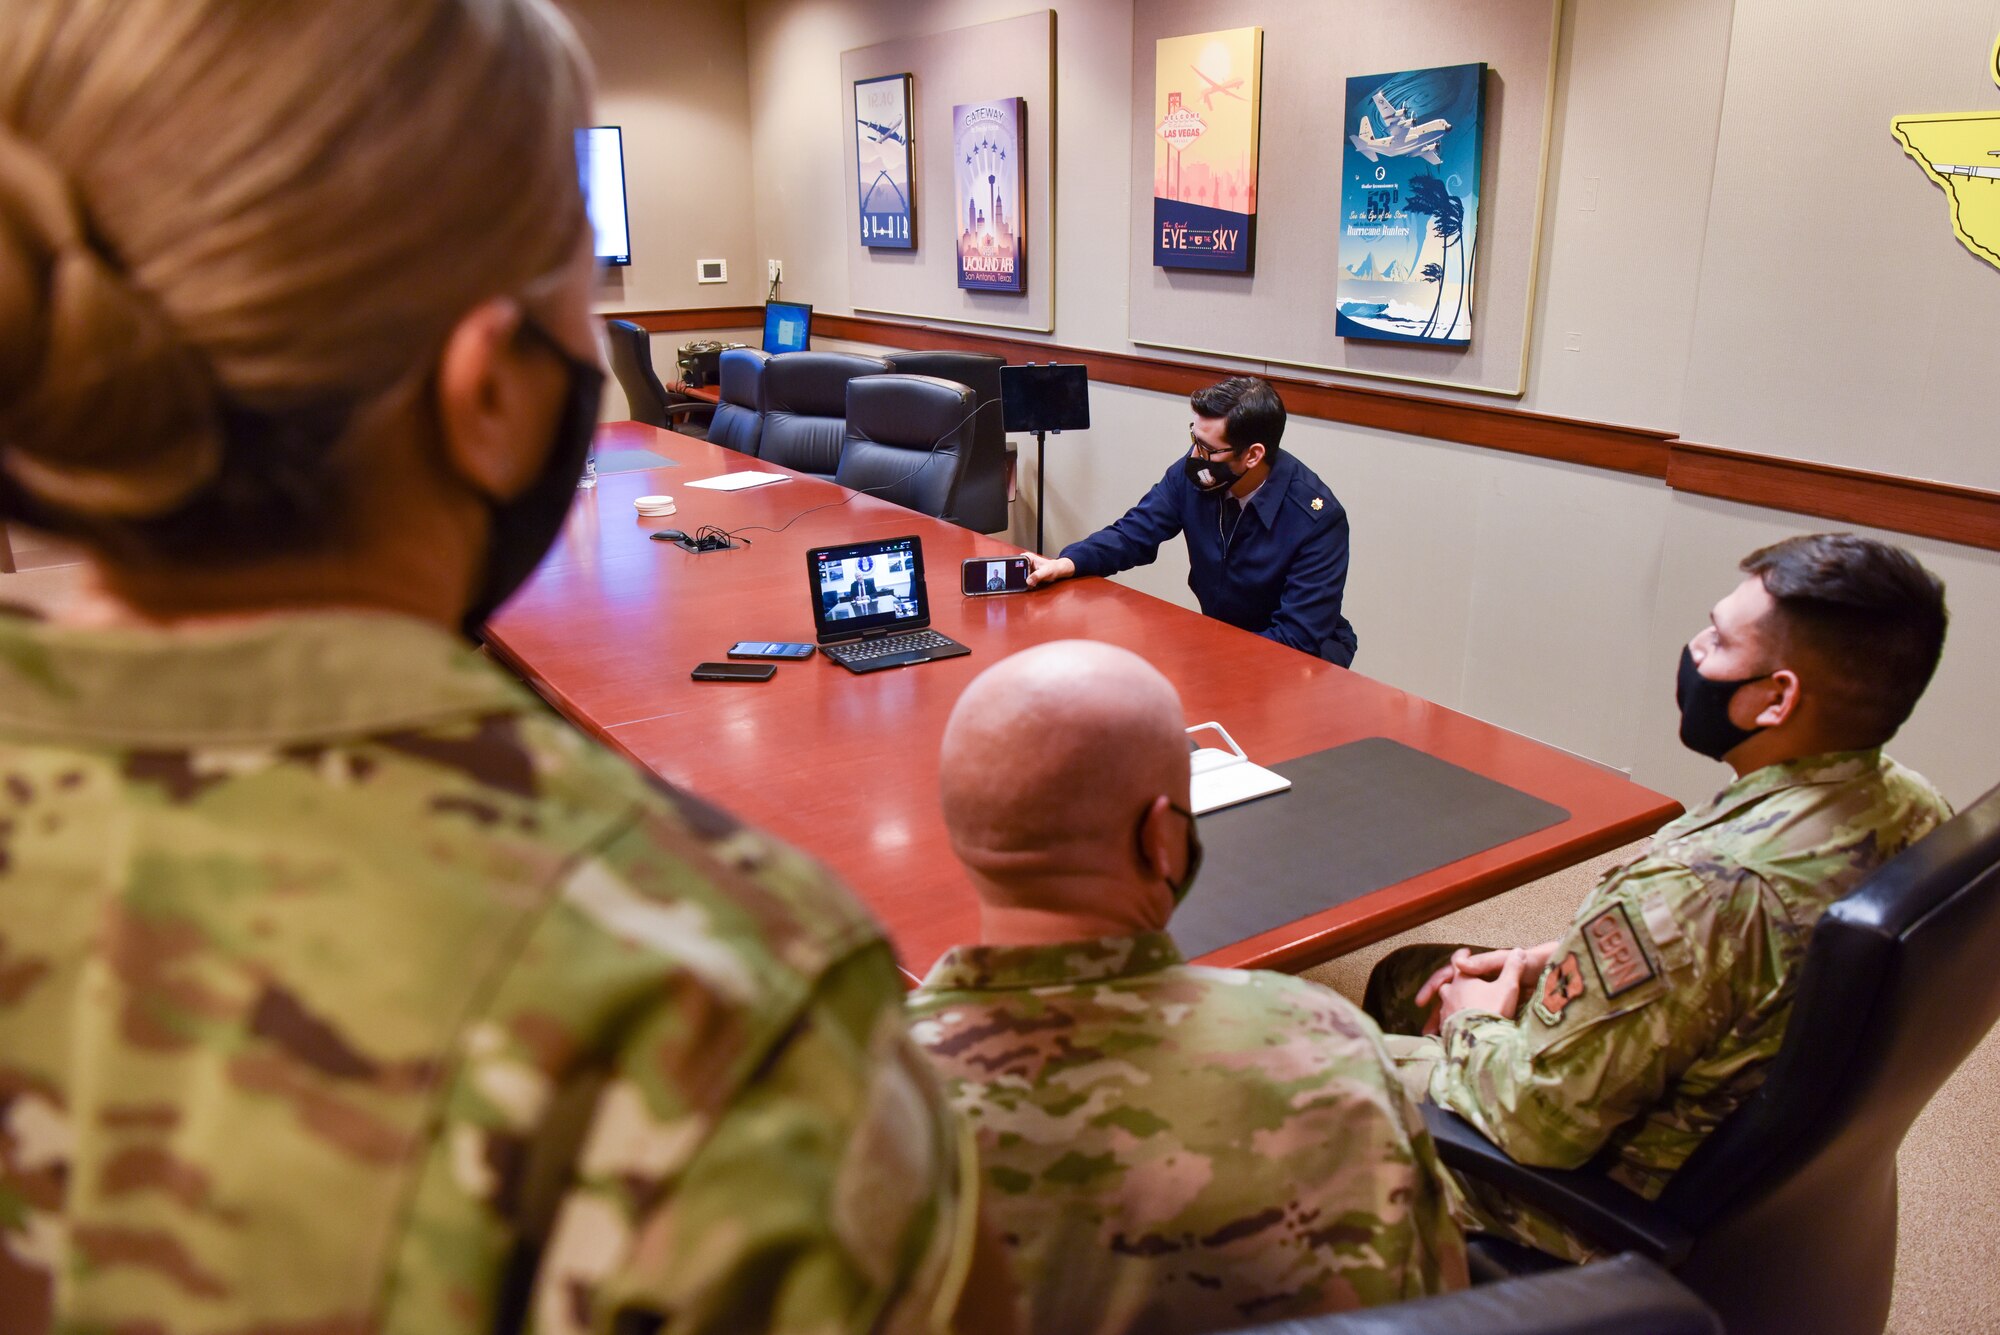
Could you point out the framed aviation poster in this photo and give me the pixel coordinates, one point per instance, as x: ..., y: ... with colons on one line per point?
x: 882, y: 138
x: 987, y: 170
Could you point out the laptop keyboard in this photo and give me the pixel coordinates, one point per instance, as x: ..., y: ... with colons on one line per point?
x: 863, y: 650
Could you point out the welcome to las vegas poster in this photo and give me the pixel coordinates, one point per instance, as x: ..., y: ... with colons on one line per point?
x: 987, y: 143
x: 1205, y: 104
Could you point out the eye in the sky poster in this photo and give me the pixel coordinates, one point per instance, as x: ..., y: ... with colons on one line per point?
x: 882, y: 158
x: 1409, y: 205
x: 987, y: 144
x: 1205, y: 99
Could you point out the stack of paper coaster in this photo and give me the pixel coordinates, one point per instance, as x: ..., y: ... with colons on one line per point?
x: 654, y: 506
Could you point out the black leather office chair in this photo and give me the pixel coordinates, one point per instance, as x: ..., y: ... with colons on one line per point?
x: 1785, y: 1217
x: 981, y: 503
x: 1626, y: 1295
x: 739, y: 419
x: 805, y: 408
x: 631, y: 352
x: 909, y: 438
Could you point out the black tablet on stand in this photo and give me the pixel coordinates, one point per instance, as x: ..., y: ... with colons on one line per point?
x: 1040, y: 399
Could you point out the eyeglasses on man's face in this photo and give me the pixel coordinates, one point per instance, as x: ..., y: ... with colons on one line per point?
x: 1206, y: 450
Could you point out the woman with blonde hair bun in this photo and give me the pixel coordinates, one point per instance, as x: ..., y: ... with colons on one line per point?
x: 342, y: 987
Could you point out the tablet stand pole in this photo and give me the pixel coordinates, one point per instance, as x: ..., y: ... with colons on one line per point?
x: 1041, y: 475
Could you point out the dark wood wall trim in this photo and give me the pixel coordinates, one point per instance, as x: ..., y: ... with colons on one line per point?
x: 1880, y: 500
x: 1940, y: 510
x: 704, y: 317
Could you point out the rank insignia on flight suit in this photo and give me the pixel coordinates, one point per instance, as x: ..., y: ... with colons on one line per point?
x: 1318, y: 504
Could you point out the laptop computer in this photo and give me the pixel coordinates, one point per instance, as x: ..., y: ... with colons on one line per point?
x: 870, y: 607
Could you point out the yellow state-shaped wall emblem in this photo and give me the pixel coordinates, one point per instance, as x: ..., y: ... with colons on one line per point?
x: 1961, y: 152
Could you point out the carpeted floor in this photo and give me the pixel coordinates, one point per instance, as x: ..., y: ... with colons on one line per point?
x: 1946, y: 1280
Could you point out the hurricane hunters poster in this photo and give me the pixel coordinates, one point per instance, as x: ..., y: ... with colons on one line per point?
x: 1205, y: 100
x: 1409, y: 205
x: 987, y: 142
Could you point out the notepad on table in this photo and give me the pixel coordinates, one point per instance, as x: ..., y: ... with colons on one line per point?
x: 1225, y: 778
x: 738, y: 481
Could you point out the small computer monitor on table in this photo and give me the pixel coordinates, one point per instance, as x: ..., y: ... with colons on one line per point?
x: 787, y: 326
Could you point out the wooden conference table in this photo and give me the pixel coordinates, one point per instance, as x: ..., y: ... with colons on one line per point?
x: 845, y: 765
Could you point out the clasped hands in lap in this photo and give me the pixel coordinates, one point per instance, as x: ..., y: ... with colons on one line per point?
x: 1489, y: 980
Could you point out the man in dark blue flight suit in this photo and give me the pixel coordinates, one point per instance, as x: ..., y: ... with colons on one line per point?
x: 1267, y: 542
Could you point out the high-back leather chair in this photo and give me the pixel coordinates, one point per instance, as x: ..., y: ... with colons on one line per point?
x: 1626, y: 1295
x: 630, y: 349
x: 739, y: 419
x: 909, y: 438
x: 805, y: 408
x: 1785, y: 1217
x: 981, y: 503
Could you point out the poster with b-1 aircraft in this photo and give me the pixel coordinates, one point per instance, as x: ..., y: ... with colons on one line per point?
x: 882, y: 137
x: 1409, y: 205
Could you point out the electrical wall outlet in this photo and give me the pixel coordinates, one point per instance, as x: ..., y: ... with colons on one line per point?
x: 776, y: 269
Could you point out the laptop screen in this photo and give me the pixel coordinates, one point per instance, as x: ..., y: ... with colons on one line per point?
x: 867, y: 586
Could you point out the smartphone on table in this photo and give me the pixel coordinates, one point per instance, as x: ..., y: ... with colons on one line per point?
x: 981, y: 575
x: 770, y: 649
x: 733, y: 671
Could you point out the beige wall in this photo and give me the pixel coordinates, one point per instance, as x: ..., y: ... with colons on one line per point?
x: 1546, y: 598
x: 671, y: 73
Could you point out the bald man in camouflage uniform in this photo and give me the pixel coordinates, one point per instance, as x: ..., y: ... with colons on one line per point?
x: 1656, y: 1014
x: 1165, y: 1148
x: 365, y: 995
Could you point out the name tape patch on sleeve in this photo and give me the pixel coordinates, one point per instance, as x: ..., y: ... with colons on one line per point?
x: 1615, y: 950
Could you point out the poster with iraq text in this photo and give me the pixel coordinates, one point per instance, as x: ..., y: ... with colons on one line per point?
x: 882, y: 161
x: 989, y: 172
x: 1409, y: 205
x: 1205, y: 98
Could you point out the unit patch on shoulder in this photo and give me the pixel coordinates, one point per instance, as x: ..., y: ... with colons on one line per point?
x: 1615, y: 950
x: 1561, y: 984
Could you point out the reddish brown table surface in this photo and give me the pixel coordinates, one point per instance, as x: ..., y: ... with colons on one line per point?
x: 845, y: 766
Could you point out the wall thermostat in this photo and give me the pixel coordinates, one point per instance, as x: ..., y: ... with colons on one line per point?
x: 711, y: 271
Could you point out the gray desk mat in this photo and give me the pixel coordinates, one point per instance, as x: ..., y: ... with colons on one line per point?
x: 631, y: 461
x: 1357, y: 817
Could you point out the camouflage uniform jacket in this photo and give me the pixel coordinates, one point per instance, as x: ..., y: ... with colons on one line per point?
x: 1669, y: 993
x: 1169, y: 1148
x: 343, y: 989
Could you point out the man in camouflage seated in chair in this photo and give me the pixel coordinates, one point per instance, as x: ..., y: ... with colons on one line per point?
x: 1654, y: 1016
x: 1165, y: 1148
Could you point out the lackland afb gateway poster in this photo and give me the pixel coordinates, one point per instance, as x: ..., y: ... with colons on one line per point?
x: 1409, y: 205
x: 986, y: 140
x: 1205, y: 103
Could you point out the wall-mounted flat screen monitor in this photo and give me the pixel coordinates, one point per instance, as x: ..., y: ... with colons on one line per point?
x: 1044, y: 398
x: 600, y: 163
x: 787, y: 326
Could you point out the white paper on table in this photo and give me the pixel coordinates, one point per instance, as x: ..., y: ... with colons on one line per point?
x: 738, y: 481
x: 1224, y: 778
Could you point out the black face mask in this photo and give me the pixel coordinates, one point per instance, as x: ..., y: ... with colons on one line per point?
x: 1178, y: 889
x: 1209, y: 475
x: 1705, y: 726
x: 524, y: 528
